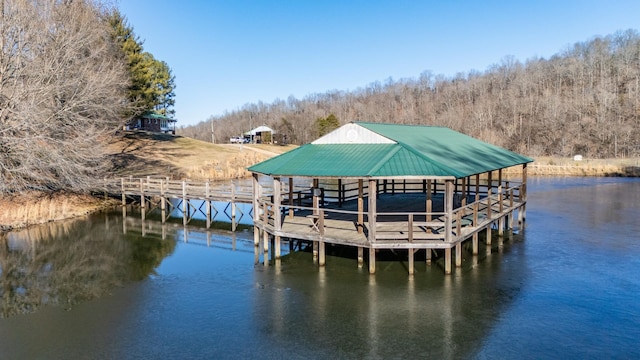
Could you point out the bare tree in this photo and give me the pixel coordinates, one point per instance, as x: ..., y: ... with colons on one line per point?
x: 62, y: 88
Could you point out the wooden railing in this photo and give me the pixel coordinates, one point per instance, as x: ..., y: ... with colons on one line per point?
x: 190, y: 189
x: 409, y: 226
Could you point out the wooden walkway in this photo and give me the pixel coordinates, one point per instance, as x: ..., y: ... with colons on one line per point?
x: 192, y: 196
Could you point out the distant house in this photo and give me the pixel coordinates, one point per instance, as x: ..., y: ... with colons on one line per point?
x: 154, y: 122
x: 261, y: 134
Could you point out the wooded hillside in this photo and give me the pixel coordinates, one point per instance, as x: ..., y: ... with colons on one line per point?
x: 584, y: 100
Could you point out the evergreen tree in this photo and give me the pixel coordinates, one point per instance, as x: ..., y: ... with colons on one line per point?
x: 326, y: 125
x: 151, y: 82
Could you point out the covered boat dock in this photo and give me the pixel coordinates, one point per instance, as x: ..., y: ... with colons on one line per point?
x: 386, y: 186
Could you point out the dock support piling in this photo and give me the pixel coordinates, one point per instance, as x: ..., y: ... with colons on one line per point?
x: 207, y: 204
x: 411, y: 261
x: 163, y: 202
x: 142, y: 200
x: 321, y: 254
x: 428, y: 256
x: 447, y: 261
x: 372, y: 261
x: 265, y: 250
x: 124, y: 199
x: 474, y: 242
x: 360, y: 256
x: 458, y: 254
x: 233, y: 207
x: 184, y: 203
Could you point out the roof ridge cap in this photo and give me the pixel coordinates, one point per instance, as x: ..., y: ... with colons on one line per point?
x: 384, y: 159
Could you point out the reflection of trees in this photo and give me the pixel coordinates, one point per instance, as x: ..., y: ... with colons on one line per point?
x: 65, y: 263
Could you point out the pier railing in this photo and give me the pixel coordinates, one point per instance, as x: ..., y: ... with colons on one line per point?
x: 473, y: 211
x: 191, y: 189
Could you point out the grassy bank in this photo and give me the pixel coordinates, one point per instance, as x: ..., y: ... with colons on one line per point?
x: 556, y: 166
x: 142, y: 154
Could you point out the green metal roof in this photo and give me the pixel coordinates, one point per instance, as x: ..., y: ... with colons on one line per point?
x: 417, y: 151
x: 154, y: 115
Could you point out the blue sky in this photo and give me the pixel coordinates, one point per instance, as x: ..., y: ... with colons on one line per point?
x: 225, y: 54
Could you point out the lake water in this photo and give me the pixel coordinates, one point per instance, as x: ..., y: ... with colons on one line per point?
x: 106, y: 288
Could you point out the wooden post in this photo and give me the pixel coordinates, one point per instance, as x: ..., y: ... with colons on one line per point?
x: 372, y: 260
x: 477, y: 187
x: 410, y: 224
x: 316, y: 211
x: 321, y: 255
x: 124, y: 202
x: 474, y: 243
x: 500, y: 198
x: 458, y: 254
x: 277, y: 215
x: 360, y: 256
x: 411, y: 261
x: 428, y: 256
x: 290, y: 197
x: 522, y: 212
x: 142, y: 199
x: 233, y: 208
x: 257, y: 194
x: 489, y: 203
x: 463, y: 202
x: 360, y: 207
x: 475, y: 215
x: 447, y: 261
x: 163, y: 202
x: 372, y: 213
x: 429, y: 204
x: 501, y: 209
x: 265, y: 233
x: 207, y: 199
x: 448, y: 209
x: 184, y: 203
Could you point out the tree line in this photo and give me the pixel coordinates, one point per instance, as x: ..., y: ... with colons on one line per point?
x: 582, y: 100
x: 71, y: 73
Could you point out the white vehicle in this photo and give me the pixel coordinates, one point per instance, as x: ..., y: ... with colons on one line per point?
x: 236, y: 140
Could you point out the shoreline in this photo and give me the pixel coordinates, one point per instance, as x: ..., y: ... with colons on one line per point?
x: 33, y: 208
